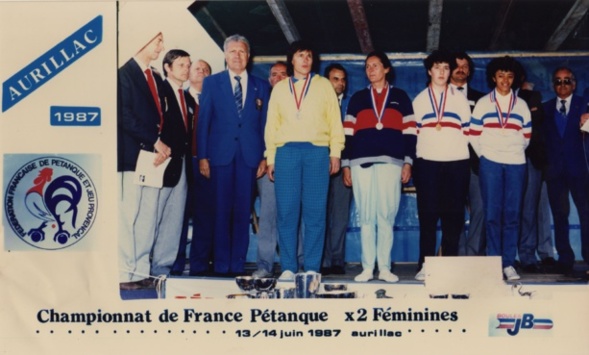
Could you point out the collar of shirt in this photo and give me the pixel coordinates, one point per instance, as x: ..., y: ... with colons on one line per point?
x: 464, y: 91
x: 143, y: 67
x: 195, y: 94
x: 175, y: 87
x: 294, y: 80
x: 567, y: 104
x: 243, y: 81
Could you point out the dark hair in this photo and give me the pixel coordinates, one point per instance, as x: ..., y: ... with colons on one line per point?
x: 334, y: 66
x: 463, y: 56
x: 520, y: 72
x: 280, y: 62
x: 507, y: 64
x: 298, y: 46
x: 563, y: 68
x: 171, y: 56
x: 386, y: 63
x: 439, y: 56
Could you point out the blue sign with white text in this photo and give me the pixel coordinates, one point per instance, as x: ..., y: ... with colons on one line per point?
x: 47, y: 66
x: 75, y: 116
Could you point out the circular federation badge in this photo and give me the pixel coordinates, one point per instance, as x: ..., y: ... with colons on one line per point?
x: 50, y: 203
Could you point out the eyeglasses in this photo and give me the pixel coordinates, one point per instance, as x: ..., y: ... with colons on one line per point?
x: 565, y: 81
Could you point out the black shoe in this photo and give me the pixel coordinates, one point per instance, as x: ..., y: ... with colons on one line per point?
x: 563, y: 269
x: 201, y: 273
x: 338, y: 270
x: 549, y: 261
x: 326, y: 271
x: 531, y: 269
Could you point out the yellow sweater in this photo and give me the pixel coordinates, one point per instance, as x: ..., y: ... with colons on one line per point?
x: 319, y: 121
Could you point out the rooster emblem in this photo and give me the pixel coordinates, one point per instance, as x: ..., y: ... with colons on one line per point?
x: 50, y: 200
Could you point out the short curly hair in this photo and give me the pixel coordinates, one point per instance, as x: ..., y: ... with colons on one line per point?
x: 507, y: 64
x: 439, y: 56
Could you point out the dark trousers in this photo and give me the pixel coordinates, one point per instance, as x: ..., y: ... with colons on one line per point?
x: 442, y: 188
x: 199, y: 207
x: 558, y: 195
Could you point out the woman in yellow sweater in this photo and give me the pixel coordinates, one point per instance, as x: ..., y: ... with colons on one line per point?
x: 304, y: 139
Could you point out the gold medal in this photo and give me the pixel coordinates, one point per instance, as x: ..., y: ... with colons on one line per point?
x: 438, y: 127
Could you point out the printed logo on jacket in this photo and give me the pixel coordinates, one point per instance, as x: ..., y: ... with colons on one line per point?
x: 50, y: 202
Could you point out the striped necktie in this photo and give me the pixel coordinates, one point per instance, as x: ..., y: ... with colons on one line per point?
x: 563, y: 108
x: 238, y: 94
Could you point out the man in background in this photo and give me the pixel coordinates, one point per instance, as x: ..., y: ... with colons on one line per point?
x: 340, y: 196
x: 267, y: 234
x: 567, y: 169
x: 199, y: 202
x: 473, y: 242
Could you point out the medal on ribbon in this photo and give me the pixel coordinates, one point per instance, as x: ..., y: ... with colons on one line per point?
x: 503, y: 121
x: 299, y: 100
x: 438, y: 109
x: 379, y: 112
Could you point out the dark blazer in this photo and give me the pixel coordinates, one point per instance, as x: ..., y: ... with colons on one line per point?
x: 221, y: 130
x: 473, y: 96
x: 565, y: 154
x: 138, y: 118
x: 194, y: 111
x: 536, y: 150
x: 175, y: 134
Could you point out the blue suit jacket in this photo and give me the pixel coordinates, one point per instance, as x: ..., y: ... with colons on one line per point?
x: 138, y: 118
x: 565, y: 154
x: 221, y: 132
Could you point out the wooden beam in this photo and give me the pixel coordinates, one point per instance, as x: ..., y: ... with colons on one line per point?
x: 280, y: 12
x: 434, y: 25
x: 361, y: 25
x: 501, y: 19
x: 567, y: 25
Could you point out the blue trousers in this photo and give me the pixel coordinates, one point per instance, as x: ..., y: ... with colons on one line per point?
x: 198, y: 208
x: 267, y: 233
x: 301, y: 180
x: 233, y: 187
x: 502, y: 187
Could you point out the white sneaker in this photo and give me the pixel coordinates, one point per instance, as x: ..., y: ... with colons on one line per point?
x: 364, y: 276
x: 388, y: 276
x: 420, y: 275
x: 510, y: 273
x: 287, y: 275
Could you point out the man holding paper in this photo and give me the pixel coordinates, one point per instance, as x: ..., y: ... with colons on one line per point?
x: 139, y: 121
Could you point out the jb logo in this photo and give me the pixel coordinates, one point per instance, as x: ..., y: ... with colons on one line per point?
x: 514, y: 323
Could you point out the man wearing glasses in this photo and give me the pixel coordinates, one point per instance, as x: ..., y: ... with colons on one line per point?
x: 567, y: 171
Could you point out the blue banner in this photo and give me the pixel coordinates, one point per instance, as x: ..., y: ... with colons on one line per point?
x: 47, y: 66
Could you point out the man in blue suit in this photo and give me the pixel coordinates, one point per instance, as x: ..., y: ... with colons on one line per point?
x: 567, y: 171
x: 230, y: 141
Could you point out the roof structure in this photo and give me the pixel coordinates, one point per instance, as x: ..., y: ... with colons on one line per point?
x: 400, y: 26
